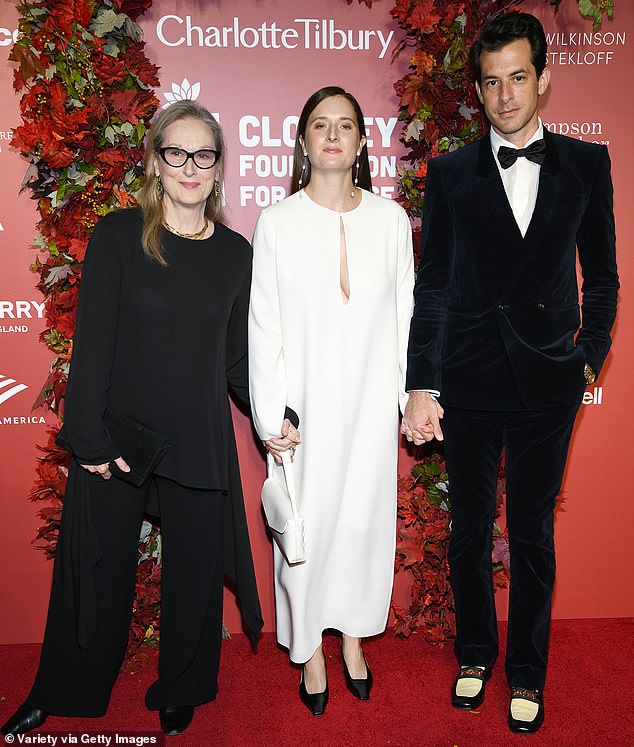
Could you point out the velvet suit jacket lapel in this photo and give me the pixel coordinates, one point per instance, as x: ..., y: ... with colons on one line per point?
x: 496, y: 210
x: 493, y: 194
x: 548, y: 194
x: 518, y: 249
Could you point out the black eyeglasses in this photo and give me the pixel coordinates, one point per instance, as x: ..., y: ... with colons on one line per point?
x: 204, y: 158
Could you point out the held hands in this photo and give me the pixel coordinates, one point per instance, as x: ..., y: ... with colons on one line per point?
x: 289, y: 440
x: 104, y: 469
x: 421, y: 421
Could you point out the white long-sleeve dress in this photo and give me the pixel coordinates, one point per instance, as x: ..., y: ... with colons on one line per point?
x: 341, y: 367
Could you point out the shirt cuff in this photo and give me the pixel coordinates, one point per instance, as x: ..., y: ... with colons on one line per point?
x: 434, y: 392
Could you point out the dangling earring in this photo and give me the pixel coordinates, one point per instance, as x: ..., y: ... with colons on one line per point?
x: 217, y: 190
x: 158, y: 186
x: 301, y: 176
x: 356, y: 177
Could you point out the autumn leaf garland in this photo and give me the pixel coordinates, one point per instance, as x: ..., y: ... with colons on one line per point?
x: 87, y: 99
x: 87, y: 96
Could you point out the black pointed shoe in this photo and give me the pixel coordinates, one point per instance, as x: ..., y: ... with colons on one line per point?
x: 315, y: 702
x: 23, y: 720
x: 518, y: 724
x: 175, y: 719
x: 359, y: 688
x: 470, y: 702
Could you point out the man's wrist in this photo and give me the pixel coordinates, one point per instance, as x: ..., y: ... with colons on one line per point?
x: 423, y: 395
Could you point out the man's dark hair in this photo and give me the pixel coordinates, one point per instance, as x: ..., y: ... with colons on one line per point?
x: 500, y: 30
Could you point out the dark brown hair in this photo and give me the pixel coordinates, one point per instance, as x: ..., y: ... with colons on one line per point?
x: 365, y: 181
x: 498, y: 31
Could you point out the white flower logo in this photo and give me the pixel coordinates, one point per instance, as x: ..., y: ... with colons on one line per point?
x: 183, y: 92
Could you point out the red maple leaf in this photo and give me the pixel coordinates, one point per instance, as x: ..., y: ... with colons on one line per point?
x: 96, y: 107
x: 123, y: 103
x: 425, y: 17
x: 62, y: 16
x: 422, y: 62
x: 57, y: 96
x: 112, y: 162
x: 408, y: 516
x: 110, y: 69
x: 421, y: 171
x: 123, y: 198
x: 137, y: 62
x: 401, y: 11
x: 54, y: 152
x: 77, y: 248
x: 410, y: 550
x: 451, y: 11
x: 29, y: 65
x: 129, y: 105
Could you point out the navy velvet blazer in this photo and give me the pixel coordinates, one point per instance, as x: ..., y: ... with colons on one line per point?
x: 496, y: 314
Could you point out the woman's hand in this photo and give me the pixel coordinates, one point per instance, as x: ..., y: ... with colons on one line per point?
x: 289, y: 441
x: 104, y: 469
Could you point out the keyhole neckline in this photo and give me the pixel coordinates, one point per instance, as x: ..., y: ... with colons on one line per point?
x: 303, y: 193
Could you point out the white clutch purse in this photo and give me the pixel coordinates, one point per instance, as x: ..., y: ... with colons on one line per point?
x: 280, y: 508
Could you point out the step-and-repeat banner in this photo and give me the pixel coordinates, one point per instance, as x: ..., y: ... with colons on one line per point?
x: 254, y: 65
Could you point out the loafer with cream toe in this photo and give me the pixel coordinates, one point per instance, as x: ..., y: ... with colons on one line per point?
x: 526, y: 711
x: 468, y: 689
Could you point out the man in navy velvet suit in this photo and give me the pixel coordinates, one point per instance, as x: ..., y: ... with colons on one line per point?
x: 493, y: 353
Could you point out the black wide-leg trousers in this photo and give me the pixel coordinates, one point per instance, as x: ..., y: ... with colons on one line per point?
x: 73, y: 682
x: 536, y: 444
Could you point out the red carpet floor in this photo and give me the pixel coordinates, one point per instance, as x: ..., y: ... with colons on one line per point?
x: 588, y: 698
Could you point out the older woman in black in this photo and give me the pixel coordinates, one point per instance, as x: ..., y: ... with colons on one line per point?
x: 161, y: 334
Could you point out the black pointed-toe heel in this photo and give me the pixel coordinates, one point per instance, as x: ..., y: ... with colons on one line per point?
x: 315, y: 702
x: 175, y: 719
x: 359, y: 688
x: 23, y: 720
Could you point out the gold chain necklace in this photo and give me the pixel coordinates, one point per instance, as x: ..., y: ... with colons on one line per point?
x: 196, y: 235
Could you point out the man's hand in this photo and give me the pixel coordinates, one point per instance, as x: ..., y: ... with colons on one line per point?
x: 104, y: 469
x: 421, y: 421
x: 290, y: 439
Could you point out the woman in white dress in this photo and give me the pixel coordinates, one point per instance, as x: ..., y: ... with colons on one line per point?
x: 331, y: 302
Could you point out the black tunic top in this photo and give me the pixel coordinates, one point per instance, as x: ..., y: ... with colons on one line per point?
x: 161, y: 345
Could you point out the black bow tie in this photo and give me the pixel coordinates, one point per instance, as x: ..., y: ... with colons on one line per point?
x: 536, y: 152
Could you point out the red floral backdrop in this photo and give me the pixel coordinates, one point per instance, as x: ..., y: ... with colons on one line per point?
x: 87, y: 99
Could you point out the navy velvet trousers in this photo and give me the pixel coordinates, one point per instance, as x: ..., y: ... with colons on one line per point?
x: 71, y: 682
x: 535, y: 443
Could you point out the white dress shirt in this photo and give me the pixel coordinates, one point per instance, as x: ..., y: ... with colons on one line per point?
x: 520, y: 180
